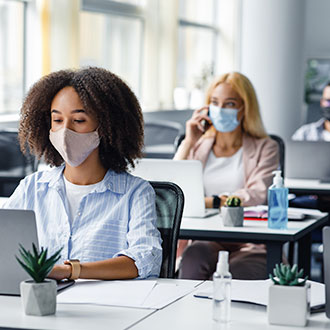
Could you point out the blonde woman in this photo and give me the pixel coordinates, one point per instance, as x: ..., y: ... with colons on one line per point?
x: 238, y: 157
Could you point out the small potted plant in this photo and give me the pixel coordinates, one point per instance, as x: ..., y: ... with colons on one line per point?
x: 232, y: 212
x: 289, y: 298
x: 38, y: 294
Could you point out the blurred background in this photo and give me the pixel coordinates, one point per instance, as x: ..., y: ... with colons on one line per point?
x: 168, y: 51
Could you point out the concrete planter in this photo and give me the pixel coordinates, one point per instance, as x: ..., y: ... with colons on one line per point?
x: 289, y: 305
x: 39, y: 298
x: 232, y: 216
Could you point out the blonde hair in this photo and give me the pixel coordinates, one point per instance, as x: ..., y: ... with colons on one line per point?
x: 252, y: 122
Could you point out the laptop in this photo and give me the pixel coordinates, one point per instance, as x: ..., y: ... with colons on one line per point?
x: 326, y: 267
x: 187, y: 174
x: 17, y: 227
x: 307, y: 160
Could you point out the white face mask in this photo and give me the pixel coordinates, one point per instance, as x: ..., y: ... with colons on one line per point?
x: 72, y: 146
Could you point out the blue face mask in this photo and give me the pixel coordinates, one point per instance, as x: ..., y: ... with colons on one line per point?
x: 223, y: 119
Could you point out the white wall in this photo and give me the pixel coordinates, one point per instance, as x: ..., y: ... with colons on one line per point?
x: 272, y: 55
x: 317, y: 28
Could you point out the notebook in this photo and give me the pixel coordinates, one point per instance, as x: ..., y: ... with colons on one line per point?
x: 187, y: 174
x: 16, y: 227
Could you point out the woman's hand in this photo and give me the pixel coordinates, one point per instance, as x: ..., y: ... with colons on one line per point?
x: 60, y: 272
x: 194, y: 130
x: 195, y: 125
x: 209, y: 201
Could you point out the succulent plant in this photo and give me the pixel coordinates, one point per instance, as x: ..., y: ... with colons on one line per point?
x: 285, y: 275
x: 36, y: 264
x: 233, y: 201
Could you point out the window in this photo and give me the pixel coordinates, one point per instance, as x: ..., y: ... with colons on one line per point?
x: 111, y: 36
x: 197, y: 50
x: 12, y: 52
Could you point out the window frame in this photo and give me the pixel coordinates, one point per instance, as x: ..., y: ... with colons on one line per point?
x: 127, y: 10
x: 182, y: 23
x: 24, y: 50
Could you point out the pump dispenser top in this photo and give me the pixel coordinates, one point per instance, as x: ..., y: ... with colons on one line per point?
x: 277, y: 180
x: 223, y: 265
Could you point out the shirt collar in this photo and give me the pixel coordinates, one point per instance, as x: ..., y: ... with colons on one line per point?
x: 115, y: 182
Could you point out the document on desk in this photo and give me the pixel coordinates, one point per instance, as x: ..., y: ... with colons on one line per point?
x: 260, y: 212
x: 256, y: 292
x: 147, y: 294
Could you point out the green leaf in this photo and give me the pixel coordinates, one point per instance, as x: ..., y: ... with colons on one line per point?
x: 278, y: 271
x: 42, y: 258
x: 35, y: 251
x: 300, y: 274
x: 37, y: 265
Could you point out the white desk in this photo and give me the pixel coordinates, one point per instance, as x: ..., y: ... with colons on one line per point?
x: 196, y: 313
x: 186, y: 313
x: 2, y: 200
x: 257, y: 232
x: 70, y: 316
x: 75, y: 316
x: 306, y: 186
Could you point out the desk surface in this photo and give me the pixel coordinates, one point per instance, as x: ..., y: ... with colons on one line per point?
x: 196, y: 313
x: 186, y: 313
x: 2, y: 200
x: 212, y: 228
x: 307, y: 186
x: 70, y: 316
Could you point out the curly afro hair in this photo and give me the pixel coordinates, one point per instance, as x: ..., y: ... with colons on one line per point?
x: 103, y: 95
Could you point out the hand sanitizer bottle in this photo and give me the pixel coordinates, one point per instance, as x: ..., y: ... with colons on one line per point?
x: 277, y: 203
x: 222, y: 289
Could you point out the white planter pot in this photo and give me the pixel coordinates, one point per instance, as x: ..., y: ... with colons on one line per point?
x: 232, y: 216
x: 288, y: 305
x: 39, y: 298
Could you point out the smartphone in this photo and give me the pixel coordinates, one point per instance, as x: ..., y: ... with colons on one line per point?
x: 205, y: 123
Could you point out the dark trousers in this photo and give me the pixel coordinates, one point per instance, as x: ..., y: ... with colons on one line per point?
x: 246, y: 261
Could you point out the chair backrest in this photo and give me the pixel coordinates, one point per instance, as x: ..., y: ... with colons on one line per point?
x: 169, y: 207
x: 159, y: 138
x: 14, y: 165
x: 161, y: 132
x: 281, y: 147
x: 276, y: 138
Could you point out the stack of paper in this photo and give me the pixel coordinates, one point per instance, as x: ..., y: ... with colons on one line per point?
x: 294, y: 213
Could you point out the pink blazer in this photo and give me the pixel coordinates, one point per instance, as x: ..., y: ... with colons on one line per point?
x: 260, y: 158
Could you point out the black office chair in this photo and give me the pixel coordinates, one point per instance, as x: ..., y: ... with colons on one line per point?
x: 169, y: 206
x: 281, y: 147
x: 14, y: 165
x: 159, y: 138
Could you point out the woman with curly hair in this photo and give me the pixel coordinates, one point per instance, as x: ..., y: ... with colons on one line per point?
x: 88, y: 124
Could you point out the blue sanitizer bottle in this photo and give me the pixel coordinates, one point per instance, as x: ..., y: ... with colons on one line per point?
x: 277, y: 203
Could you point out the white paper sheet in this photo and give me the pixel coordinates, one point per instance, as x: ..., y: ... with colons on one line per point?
x: 257, y: 292
x: 131, y: 293
x: 164, y: 294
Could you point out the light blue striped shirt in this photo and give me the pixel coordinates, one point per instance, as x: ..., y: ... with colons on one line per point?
x: 117, y: 218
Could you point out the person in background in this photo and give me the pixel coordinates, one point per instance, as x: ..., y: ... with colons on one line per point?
x: 238, y: 158
x: 320, y: 130
x: 88, y: 124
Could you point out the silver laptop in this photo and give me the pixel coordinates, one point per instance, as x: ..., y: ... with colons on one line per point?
x: 307, y: 160
x: 16, y: 227
x: 326, y: 267
x: 187, y: 174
